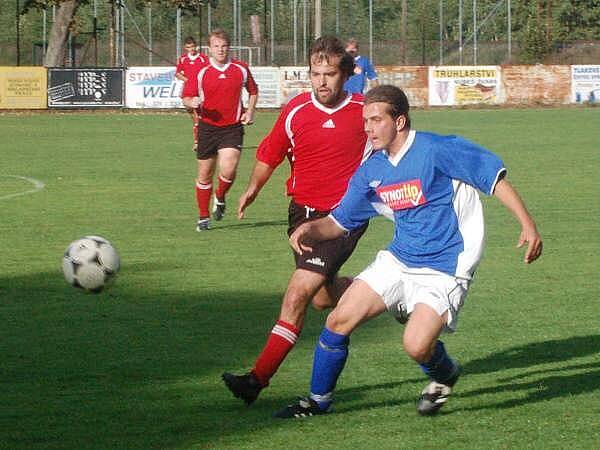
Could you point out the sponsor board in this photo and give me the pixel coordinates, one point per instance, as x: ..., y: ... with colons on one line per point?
x: 269, y: 93
x: 90, y: 88
x: 23, y: 87
x: 152, y: 87
x: 294, y: 80
x: 464, y: 85
x: 585, y: 84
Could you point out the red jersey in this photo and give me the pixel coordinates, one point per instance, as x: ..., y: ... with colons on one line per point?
x: 220, y: 89
x: 189, y: 66
x: 326, y: 146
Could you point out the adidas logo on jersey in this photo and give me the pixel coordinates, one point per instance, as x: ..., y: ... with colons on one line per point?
x: 316, y: 261
x: 222, y: 76
x: 328, y: 124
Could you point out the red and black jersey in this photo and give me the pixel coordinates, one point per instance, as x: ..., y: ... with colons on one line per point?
x: 220, y: 89
x: 325, y: 145
x: 189, y: 66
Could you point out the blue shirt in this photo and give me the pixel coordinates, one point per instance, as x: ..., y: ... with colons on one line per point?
x: 363, y: 69
x: 435, y: 227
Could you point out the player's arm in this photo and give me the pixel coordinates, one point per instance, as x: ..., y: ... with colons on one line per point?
x: 322, y: 229
x: 260, y: 175
x: 507, y: 194
x: 252, y: 88
x: 181, y: 76
x: 372, y: 75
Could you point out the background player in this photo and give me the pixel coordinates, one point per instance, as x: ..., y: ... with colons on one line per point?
x: 437, y: 244
x: 324, y: 134
x: 363, y: 69
x: 220, y: 128
x: 188, y: 66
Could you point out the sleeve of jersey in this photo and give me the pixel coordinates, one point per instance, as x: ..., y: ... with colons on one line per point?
x: 179, y: 67
x: 371, y: 74
x: 356, y: 207
x: 251, y: 85
x: 471, y: 163
x: 274, y: 147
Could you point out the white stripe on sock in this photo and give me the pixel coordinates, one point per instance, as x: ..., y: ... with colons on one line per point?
x: 288, y: 335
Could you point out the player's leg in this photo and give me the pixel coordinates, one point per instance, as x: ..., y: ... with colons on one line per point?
x: 229, y: 159
x: 358, y: 304
x: 206, y: 168
x: 329, y: 295
x: 432, y: 312
x: 284, y: 335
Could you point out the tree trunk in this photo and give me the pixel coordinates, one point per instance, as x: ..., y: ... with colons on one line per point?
x: 65, y: 12
x: 404, y: 32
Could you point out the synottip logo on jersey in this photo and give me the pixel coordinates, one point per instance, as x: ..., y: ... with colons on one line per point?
x: 408, y: 194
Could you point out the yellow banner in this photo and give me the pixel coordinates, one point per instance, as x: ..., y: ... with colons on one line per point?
x: 23, y: 88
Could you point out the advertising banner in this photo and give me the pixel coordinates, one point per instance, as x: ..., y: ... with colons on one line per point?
x: 89, y: 88
x: 294, y: 79
x: 464, y: 85
x: 269, y: 94
x: 152, y: 87
x: 585, y: 84
x: 411, y: 79
x: 23, y: 87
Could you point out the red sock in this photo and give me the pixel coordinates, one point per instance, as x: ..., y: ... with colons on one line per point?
x: 281, y: 340
x: 224, y: 186
x: 195, y: 131
x: 203, y: 193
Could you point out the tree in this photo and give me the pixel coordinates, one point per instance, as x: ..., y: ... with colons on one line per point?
x: 65, y: 14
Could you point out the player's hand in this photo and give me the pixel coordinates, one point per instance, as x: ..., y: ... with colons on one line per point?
x: 533, y: 239
x: 297, y: 239
x: 245, y: 200
x: 196, y: 102
x: 247, y: 118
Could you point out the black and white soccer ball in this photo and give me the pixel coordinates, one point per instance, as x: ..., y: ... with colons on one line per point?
x: 90, y: 263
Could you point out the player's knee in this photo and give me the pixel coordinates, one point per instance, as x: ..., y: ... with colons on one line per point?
x: 322, y: 301
x: 416, y: 349
x: 338, y: 322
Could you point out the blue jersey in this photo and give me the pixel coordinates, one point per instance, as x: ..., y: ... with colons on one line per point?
x: 363, y: 69
x: 428, y: 186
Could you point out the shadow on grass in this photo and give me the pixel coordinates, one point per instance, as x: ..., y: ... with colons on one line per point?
x: 249, y: 224
x: 548, y: 382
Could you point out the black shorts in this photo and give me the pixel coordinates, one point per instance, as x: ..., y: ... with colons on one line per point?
x: 211, y: 139
x: 326, y: 257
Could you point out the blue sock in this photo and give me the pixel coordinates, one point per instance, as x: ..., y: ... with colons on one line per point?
x: 330, y: 357
x: 440, y: 367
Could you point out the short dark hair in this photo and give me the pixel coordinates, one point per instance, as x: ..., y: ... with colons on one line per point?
x: 352, y: 41
x: 327, y: 47
x: 219, y: 33
x: 189, y: 40
x: 394, y: 97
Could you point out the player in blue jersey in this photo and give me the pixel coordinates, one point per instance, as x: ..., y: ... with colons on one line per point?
x: 363, y: 70
x: 427, y: 182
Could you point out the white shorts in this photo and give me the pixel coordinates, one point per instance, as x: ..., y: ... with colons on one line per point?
x: 398, y: 284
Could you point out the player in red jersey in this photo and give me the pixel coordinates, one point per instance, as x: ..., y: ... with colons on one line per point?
x: 324, y: 134
x: 187, y: 70
x: 220, y: 129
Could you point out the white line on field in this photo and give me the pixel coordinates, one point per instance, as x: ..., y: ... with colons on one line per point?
x: 37, y: 186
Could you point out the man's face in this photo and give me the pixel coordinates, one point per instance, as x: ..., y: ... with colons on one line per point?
x: 190, y: 49
x: 380, y: 127
x: 352, y: 49
x: 327, y: 80
x: 219, y: 49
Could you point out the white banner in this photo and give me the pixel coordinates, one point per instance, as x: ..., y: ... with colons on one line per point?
x: 294, y: 79
x: 464, y: 85
x: 269, y: 93
x: 585, y: 84
x: 152, y: 87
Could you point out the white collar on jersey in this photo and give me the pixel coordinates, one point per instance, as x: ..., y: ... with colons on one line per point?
x: 327, y: 110
x: 405, y: 147
x: 193, y: 57
x: 217, y: 66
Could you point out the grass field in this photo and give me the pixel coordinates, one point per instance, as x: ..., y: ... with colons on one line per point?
x: 139, y: 365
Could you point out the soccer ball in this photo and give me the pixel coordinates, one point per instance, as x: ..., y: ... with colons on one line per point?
x: 90, y: 263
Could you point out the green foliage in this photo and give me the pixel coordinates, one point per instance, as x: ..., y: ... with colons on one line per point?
x: 139, y: 366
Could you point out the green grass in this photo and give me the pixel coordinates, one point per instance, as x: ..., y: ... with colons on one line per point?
x: 139, y: 365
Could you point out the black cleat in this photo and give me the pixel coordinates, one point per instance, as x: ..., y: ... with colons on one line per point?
x: 218, y: 209
x: 203, y: 224
x: 304, y: 407
x: 245, y: 386
x: 435, y: 395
